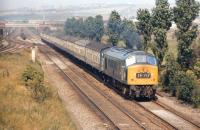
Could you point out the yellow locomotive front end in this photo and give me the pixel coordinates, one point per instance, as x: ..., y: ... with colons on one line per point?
x: 142, y: 75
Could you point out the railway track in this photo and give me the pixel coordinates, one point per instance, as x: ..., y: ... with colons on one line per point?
x: 177, y: 120
x: 170, y: 115
x: 147, y: 118
x: 143, y: 118
x: 14, y: 44
x: 170, y: 109
x: 114, y: 113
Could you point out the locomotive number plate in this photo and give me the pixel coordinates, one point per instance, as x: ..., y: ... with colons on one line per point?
x: 143, y: 75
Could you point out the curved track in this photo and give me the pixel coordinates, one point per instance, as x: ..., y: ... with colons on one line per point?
x: 167, y: 118
x: 116, y: 115
x: 14, y: 44
x: 141, y: 117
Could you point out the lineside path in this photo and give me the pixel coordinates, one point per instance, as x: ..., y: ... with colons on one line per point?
x: 170, y: 116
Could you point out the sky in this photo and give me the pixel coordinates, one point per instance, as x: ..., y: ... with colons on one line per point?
x: 13, y: 4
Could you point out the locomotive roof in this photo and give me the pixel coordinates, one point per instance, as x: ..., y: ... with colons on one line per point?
x: 97, y: 46
x: 122, y: 53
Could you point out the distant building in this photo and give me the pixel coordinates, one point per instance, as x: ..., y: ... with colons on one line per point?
x: 2, y: 29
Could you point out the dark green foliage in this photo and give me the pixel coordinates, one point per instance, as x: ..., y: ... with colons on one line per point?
x: 99, y: 27
x: 185, y: 86
x: 162, y: 15
x: 161, y: 22
x: 114, y: 27
x: 160, y: 46
x: 32, y: 75
x: 89, y: 24
x: 196, y: 96
x: 34, y: 79
x: 92, y: 28
x: 197, y: 69
x: 184, y: 13
x: 144, y: 26
x: 70, y: 26
x: 170, y: 75
x: 129, y: 34
x: 180, y: 83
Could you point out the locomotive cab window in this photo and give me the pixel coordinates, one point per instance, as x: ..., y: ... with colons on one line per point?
x: 151, y: 60
x: 141, y: 59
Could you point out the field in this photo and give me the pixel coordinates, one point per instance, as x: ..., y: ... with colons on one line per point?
x: 18, y: 109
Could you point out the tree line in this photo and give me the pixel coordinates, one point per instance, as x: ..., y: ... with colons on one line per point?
x: 178, y: 74
x: 94, y: 29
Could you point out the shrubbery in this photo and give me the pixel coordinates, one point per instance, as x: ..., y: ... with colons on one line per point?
x: 197, y: 68
x: 196, y: 96
x: 169, y: 76
x: 185, y: 86
x: 181, y: 84
x: 34, y: 80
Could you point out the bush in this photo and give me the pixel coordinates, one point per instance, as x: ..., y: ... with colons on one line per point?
x: 169, y: 75
x: 187, y: 83
x: 34, y: 80
x: 40, y: 92
x: 177, y: 81
x: 31, y: 76
x: 197, y: 68
x: 196, y: 96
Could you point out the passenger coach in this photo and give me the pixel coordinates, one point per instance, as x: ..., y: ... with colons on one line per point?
x: 134, y: 73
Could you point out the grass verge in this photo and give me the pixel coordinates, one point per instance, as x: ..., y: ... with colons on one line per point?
x: 18, y: 109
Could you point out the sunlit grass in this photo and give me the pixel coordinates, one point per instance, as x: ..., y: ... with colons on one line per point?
x: 18, y: 110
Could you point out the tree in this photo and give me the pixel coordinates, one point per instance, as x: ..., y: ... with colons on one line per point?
x: 170, y: 74
x: 184, y: 13
x: 161, y: 22
x: 144, y: 26
x: 90, y: 27
x: 129, y: 34
x: 70, y: 25
x: 99, y: 27
x: 114, y: 27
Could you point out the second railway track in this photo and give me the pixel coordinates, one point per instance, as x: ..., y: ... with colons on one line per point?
x: 134, y: 115
x: 156, y: 120
x: 120, y: 119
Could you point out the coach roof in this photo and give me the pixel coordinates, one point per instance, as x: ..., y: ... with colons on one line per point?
x: 97, y: 46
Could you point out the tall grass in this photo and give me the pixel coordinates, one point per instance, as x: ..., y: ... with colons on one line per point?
x: 18, y: 110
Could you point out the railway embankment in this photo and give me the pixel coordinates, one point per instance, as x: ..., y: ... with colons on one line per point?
x: 21, y: 105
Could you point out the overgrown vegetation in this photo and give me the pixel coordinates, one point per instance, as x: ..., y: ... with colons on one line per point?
x: 34, y: 80
x: 185, y: 12
x: 144, y: 27
x: 180, y: 71
x: 24, y: 107
x: 92, y: 28
x: 118, y: 31
x: 161, y: 22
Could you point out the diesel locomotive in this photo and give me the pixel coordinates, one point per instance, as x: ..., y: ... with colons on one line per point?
x: 133, y: 72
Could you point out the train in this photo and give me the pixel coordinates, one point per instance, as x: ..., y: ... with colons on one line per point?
x: 134, y: 73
